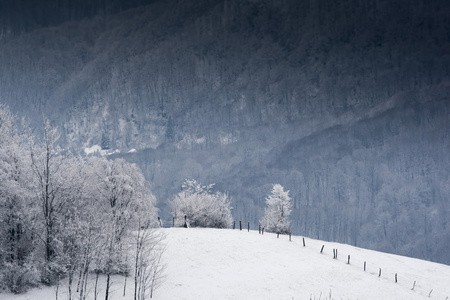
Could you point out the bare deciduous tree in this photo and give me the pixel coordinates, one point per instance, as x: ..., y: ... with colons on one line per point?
x: 149, y: 264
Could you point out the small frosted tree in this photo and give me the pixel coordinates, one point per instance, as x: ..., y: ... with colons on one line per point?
x: 276, y: 215
x: 201, y: 207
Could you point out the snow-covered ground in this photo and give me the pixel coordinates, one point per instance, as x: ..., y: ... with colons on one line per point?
x: 233, y: 264
x: 97, y: 149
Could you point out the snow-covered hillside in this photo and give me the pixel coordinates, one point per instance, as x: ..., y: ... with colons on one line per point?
x: 233, y: 264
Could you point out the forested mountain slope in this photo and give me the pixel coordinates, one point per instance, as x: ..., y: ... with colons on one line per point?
x: 344, y: 103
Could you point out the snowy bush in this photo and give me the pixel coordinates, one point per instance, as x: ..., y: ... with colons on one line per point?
x: 276, y: 214
x: 201, y: 207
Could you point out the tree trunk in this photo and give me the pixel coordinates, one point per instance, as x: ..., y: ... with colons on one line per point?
x: 108, y: 276
x: 85, y: 285
x: 84, y: 278
x: 70, y: 283
x: 97, y: 273
x: 79, y: 280
x: 57, y: 290
x: 125, y: 286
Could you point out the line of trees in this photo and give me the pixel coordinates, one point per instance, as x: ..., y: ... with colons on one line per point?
x: 63, y: 216
x: 197, y: 206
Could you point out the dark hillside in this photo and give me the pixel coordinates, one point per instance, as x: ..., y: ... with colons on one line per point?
x: 20, y: 16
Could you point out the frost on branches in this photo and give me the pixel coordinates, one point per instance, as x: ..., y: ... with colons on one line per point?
x: 197, y: 206
x: 65, y: 217
x: 16, y: 250
x: 276, y: 214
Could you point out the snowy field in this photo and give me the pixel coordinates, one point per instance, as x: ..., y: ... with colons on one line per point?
x: 233, y: 264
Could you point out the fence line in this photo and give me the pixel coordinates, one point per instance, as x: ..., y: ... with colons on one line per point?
x: 171, y: 223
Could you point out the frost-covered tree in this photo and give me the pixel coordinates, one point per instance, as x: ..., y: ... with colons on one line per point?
x: 200, y: 207
x: 63, y: 216
x: 51, y: 187
x: 75, y: 232
x: 276, y: 214
x: 123, y: 196
x: 16, y: 243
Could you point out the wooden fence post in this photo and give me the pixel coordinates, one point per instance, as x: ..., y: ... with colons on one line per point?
x: 290, y: 237
x: 379, y: 273
x: 364, y: 266
x: 262, y: 231
x: 334, y: 253
x: 321, y: 250
x: 248, y: 227
x: 259, y: 229
x: 278, y: 234
x: 173, y: 221
x: 240, y: 225
x: 395, y: 277
x: 304, y: 245
x: 348, y: 261
x: 234, y: 224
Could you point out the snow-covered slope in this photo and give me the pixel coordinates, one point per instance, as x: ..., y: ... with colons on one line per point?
x: 233, y: 264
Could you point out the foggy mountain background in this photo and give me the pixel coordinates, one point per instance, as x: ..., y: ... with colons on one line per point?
x: 344, y: 103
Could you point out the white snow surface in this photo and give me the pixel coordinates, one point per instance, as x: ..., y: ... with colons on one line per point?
x: 234, y: 264
x: 96, y: 149
x: 93, y: 149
